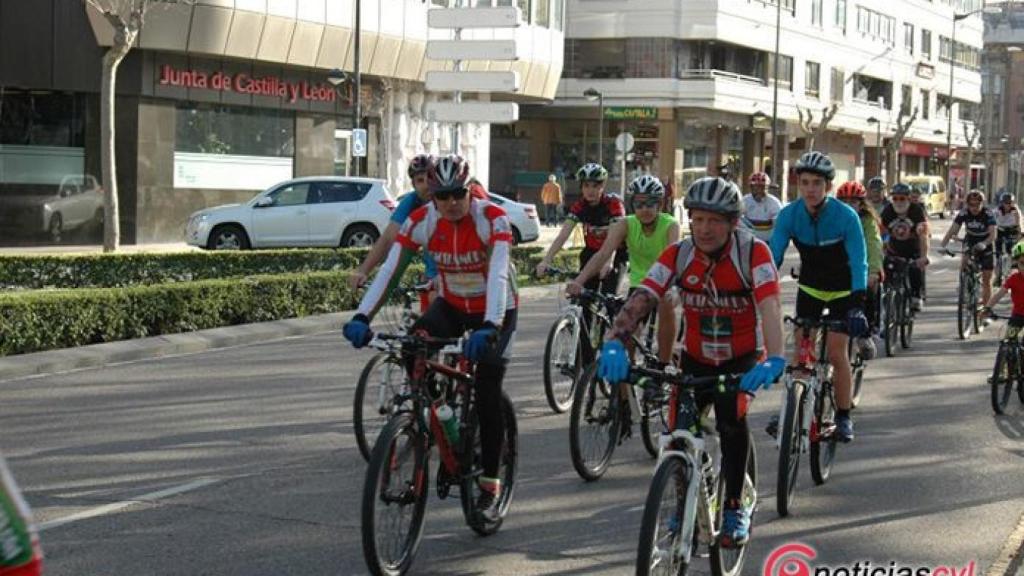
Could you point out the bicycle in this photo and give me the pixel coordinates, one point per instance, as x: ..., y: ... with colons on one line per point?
x: 601, y: 418
x: 807, y: 417
x: 968, y: 291
x: 372, y: 408
x: 1009, y: 366
x: 897, y: 314
x: 413, y: 429
x: 1004, y: 242
x: 687, y: 491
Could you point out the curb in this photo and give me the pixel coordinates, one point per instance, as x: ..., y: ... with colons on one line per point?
x: 1008, y: 563
x: 97, y: 355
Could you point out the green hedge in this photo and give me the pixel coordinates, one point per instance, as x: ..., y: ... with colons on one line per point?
x: 118, y: 270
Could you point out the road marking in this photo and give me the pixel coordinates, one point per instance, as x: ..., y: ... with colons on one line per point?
x: 940, y: 271
x: 118, y: 506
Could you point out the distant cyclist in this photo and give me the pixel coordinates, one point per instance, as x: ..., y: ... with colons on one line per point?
x: 979, y: 224
x: 855, y: 196
x: 907, y: 227
x: 1007, y: 223
x: 876, y: 194
x: 761, y: 208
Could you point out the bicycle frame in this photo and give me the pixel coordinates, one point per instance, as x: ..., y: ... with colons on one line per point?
x: 812, y: 369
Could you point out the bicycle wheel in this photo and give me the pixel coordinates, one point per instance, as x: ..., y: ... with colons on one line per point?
x: 654, y: 417
x: 906, y: 322
x: 889, y: 326
x: 963, y: 309
x: 729, y: 561
x: 380, y: 381
x: 974, y: 305
x: 395, y: 497
x: 857, y: 372
x: 593, y: 426
x: 789, y: 447
x: 823, y: 438
x: 1002, y: 379
x: 470, y: 490
x: 658, y: 552
x: 561, y: 364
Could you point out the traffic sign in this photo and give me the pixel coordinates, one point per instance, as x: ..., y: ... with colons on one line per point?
x: 489, y: 17
x: 624, y: 142
x: 497, y: 81
x: 503, y: 50
x: 484, y: 112
x: 359, y: 143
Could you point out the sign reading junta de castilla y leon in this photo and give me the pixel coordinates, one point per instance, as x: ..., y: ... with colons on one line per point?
x: 630, y: 113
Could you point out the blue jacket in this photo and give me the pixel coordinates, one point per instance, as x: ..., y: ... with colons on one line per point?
x: 833, y: 256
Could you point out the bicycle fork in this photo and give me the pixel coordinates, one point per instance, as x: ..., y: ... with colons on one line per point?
x: 692, y: 445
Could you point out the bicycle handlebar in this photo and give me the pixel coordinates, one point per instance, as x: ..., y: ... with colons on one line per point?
x: 721, y: 383
x: 812, y: 324
x: 417, y: 340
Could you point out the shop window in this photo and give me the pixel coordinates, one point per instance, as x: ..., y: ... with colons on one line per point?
x: 42, y: 119
x: 235, y: 131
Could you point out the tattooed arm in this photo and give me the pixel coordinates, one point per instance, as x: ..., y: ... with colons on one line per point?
x: 632, y: 314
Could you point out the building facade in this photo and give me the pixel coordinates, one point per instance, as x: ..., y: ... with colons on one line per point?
x: 1002, y: 116
x: 692, y: 82
x: 222, y: 98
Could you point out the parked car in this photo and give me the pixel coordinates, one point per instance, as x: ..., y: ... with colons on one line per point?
x: 933, y: 193
x: 523, y: 217
x: 314, y: 211
x: 76, y: 203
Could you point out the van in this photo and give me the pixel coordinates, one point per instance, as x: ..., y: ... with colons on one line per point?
x: 933, y: 193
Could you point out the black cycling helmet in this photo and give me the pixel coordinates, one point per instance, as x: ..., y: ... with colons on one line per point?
x: 876, y: 183
x: 900, y: 189
x: 816, y: 163
x: 419, y: 164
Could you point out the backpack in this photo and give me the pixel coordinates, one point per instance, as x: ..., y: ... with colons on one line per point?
x: 741, y: 253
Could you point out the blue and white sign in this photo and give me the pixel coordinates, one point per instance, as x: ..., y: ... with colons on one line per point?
x: 359, y: 142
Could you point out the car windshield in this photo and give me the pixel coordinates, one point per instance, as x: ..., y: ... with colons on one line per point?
x: 919, y: 187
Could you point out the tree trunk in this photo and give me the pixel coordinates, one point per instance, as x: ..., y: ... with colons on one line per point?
x: 111, y: 214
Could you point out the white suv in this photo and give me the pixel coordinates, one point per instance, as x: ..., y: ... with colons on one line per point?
x: 316, y: 211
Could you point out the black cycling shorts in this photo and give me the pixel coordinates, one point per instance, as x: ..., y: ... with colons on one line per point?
x: 809, y: 307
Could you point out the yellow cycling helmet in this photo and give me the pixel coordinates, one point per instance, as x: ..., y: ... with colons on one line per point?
x: 1018, y: 249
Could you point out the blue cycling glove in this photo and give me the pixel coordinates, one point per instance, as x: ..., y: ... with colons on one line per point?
x: 479, y: 342
x: 357, y: 331
x: 613, y: 365
x: 856, y: 322
x: 764, y: 374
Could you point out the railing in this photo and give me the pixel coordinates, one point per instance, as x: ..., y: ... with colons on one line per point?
x: 708, y: 74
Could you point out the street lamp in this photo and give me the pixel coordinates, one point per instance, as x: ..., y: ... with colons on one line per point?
x: 775, y: 100
x: 878, y: 143
x: 593, y: 95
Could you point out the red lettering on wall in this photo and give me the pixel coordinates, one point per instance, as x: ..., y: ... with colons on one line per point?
x: 244, y: 84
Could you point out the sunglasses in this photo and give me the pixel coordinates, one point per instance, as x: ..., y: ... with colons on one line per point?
x: 451, y: 194
x: 649, y: 203
x: 900, y: 199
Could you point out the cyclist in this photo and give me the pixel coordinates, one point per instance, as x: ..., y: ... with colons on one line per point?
x: 906, y: 225
x: 760, y: 207
x: 855, y: 196
x: 646, y: 232
x: 830, y: 239
x: 1014, y: 284
x: 979, y: 223
x: 1007, y: 223
x: 876, y: 194
x: 20, y: 554
x: 730, y: 292
x: 419, y: 167
x: 470, y: 240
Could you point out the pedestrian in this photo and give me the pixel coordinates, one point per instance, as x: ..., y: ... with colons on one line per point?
x: 551, y: 197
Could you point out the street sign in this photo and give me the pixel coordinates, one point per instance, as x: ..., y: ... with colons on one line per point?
x: 359, y: 143
x: 503, y: 50
x: 497, y: 81
x: 630, y: 113
x: 483, y: 17
x: 484, y: 112
x: 624, y: 142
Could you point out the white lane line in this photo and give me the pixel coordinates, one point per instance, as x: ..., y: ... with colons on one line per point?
x: 117, y: 506
x: 940, y: 271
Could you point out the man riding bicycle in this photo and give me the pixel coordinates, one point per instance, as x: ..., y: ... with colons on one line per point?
x: 1007, y: 224
x: 833, y: 268
x: 907, y: 227
x: 470, y: 240
x: 730, y: 292
x: 761, y: 208
x: 876, y: 194
x: 646, y: 232
x: 979, y: 224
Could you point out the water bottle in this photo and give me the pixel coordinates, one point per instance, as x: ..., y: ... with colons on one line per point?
x: 450, y: 423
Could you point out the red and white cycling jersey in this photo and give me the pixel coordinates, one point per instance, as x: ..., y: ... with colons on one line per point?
x: 719, y: 307
x: 475, y: 272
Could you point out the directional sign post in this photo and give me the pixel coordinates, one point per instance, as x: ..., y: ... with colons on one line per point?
x: 359, y: 142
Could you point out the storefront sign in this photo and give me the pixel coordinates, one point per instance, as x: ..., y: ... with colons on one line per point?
x: 247, y: 84
x: 622, y: 113
x: 922, y: 149
x: 925, y: 70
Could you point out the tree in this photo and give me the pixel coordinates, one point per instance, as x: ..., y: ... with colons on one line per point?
x: 812, y: 132
x: 892, y: 147
x: 971, y: 133
x: 126, y: 17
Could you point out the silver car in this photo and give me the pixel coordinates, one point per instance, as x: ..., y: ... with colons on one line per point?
x: 76, y: 203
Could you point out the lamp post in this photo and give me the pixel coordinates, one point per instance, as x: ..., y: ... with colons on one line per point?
x: 337, y: 77
x: 878, y: 143
x: 775, y: 100
x: 593, y: 95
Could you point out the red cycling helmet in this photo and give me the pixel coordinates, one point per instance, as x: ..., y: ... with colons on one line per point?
x: 760, y: 179
x: 852, y: 189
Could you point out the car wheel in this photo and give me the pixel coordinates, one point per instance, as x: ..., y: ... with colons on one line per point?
x: 517, y: 238
x: 359, y: 236
x: 228, y: 237
x: 56, y: 228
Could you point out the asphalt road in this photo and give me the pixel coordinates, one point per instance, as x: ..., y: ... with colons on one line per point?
x: 242, y: 462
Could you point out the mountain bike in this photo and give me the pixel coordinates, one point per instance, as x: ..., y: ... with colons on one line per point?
x: 686, y: 499
x: 897, y: 314
x: 808, y: 413
x: 396, y: 486
x: 602, y: 415
x: 967, y: 294
x: 1004, y: 242
x: 1009, y: 367
x: 383, y: 376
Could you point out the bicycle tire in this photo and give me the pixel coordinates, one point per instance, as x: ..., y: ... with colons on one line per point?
x: 857, y: 372
x: 906, y: 322
x: 963, y: 324
x: 673, y: 475
x: 590, y: 403
x: 975, y: 286
x: 653, y: 421
x: 889, y: 323
x: 366, y: 441
x: 559, y: 402
x: 1020, y: 374
x: 383, y: 456
x: 789, y: 447
x: 823, y: 448
x: 469, y: 489
x: 729, y: 561
x: 1001, y: 380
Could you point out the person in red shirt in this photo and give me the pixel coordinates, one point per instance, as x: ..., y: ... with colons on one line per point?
x: 20, y: 554
x: 1014, y: 284
x: 729, y: 288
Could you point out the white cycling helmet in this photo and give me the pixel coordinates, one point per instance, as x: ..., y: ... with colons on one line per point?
x: 714, y: 194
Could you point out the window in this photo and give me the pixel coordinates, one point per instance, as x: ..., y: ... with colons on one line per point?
x: 906, y: 102
x: 876, y: 25
x: 812, y: 79
x: 42, y: 119
x: 942, y: 105
x: 524, y: 6
x: 838, y: 87
x: 926, y: 44
x: 595, y: 58
x: 785, y: 78
x: 327, y: 192
x: 925, y: 104
x: 872, y: 90
x: 816, y: 16
x: 702, y: 55
x: 841, y: 15
x: 908, y: 37
x: 962, y: 55
x: 650, y: 57
x: 543, y: 13
x: 211, y: 129
x: 291, y: 194
x: 558, y: 14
